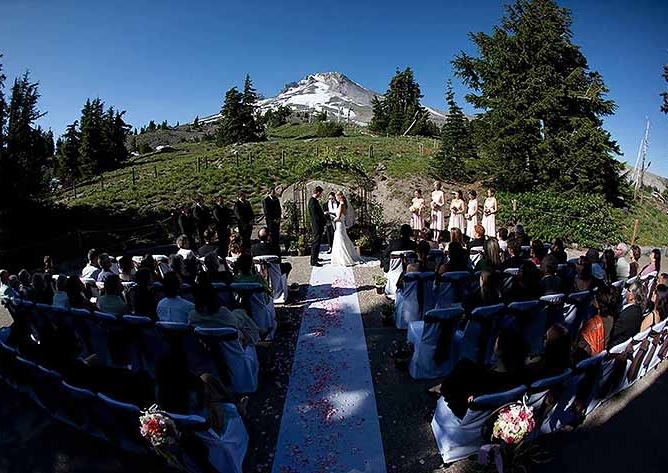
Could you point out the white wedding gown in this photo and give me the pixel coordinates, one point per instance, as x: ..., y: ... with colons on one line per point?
x: 343, y: 250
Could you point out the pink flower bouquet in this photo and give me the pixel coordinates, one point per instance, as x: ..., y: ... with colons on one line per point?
x: 513, y: 423
x: 158, y: 428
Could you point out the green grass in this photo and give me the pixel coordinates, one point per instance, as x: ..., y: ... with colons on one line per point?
x: 251, y: 167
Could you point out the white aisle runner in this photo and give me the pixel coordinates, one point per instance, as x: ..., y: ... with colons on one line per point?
x: 330, y: 421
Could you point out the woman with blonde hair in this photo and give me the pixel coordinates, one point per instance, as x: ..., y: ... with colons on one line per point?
x: 437, y: 217
x: 417, y: 213
x: 489, y: 209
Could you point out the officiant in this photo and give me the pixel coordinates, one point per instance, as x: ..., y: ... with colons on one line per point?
x: 330, y: 210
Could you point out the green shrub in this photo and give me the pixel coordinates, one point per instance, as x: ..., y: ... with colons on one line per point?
x: 329, y: 130
x: 585, y: 219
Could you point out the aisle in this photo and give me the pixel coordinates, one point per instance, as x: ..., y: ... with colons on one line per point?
x: 330, y: 422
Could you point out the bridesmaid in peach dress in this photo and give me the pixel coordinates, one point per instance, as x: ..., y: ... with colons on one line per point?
x: 437, y: 217
x: 457, y: 209
x: 417, y: 213
x: 471, y: 213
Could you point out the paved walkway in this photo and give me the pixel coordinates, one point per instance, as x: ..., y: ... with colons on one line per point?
x: 330, y: 422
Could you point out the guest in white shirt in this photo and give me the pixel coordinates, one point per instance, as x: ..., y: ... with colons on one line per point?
x: 173, y: 308
x: 623, y: 265
x: 60, y: 298
x: 92, y: 269
x: 184, y: 248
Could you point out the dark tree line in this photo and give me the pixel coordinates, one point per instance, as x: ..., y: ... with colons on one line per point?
x: 25, y: 150
x: 239, y: 122
x: 94, y: 144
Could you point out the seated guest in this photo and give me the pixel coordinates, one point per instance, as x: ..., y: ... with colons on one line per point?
x: 5, y: 288
x: 244, y: 272
x: 537, y: 252
x: 427, y: 234
x: 515, y: 259
x: 654, y: 263
x: 423, y: 262
x: 662, y: 278
x: 216, y: 268
x: 209, y: 244
x: 92, y: 269
x: 183, y: 243
x: 178, y: 265
x: 265, y: 248
x: 502, y: 237
x: 521, y: 236
x: 488, y: 293
x: 208, y: 313
x: 595, y: 334
x: 26, y: 290
x: 557, y: 250
x: 660, y: 310
x: 60, y: 298
x: 584, y: 281
x: 556, y: 357
x: 609, y: 264
x: 623, y: 265
x: 550, y: 283
x: 149, y: 263
x: 126, y: 268
x: 594, y: 259
x: 526, y: 286
x: 630, y: 318
x: 634, y: 267
x: 491, y: 258
x: 469, y: 380
x: 42, y: 289
x: 111, y: 300
x: 142, y: 299
x: 76, y: 294
x: 172, y: 307
x: 403, y: 243
x: 478, y: 239
x: 104, y: 260
x: 458, y: 259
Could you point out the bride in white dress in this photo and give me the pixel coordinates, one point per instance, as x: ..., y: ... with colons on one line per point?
x: 343, y: 250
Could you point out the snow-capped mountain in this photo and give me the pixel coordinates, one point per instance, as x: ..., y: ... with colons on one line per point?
x: 343, y: 99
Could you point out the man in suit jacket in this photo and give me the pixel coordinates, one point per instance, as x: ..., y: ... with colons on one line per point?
x: 201, y: 217
x: 318, y: 221
x: 264, y: 248
x: 630, y: 318
x: 403, y: 243
x: 187, y: 224
x: 271, y: 207
x: 221, y: 217
x: 245, y: 218
x: 330, y: 209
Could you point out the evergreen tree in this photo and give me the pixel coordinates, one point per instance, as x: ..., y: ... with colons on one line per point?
x: 400, y: 112
x: 664, y: 106
x: 456, y: 157
x: 231, y: 125
x: 249, y: 100
x: 92, y: 151
x: 196, y: 125
x: 67, y: 157
x: 25, y: 147
x: 542, y: 107
x: 151, y: 126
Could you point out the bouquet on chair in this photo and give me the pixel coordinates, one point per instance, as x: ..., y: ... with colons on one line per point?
x: 511, y: 448
x: 158, y: 428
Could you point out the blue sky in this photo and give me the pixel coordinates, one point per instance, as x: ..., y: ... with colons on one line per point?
x: 174, y: 60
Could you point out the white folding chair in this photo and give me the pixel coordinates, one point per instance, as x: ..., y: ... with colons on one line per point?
x: 407, y: 304
x: 398, y: 262
x: 277, y: 281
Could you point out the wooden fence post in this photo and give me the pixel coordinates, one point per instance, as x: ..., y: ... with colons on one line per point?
x: 155, y: 171
x: 250, y: 157
x: 197, y: 165
x: 635, y: 231
x: 74, y: 189
x: 102, y: 182
x: 317, y: 151
x: 134, y: 177
x: 236, y: 155
x: 370, y: 151
x: 282, y: 157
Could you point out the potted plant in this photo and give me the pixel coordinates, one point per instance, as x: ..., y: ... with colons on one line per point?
x: 379, y: 281
x: 302, y: 247
x: 364, y: 244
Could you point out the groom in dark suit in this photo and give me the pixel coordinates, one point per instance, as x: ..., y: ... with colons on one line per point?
x: 318, y: 221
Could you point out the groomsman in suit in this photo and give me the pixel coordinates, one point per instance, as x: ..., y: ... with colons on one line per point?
x: 201, y: 217
x: 318, y: 221
x: 330, y: 209
x: 272, y: 216
x: 221, y: 217
x: 243, y: 211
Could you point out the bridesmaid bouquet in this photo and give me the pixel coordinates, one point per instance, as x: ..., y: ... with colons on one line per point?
x: 487, y: 212
x: 435, y: 206
x: 455, y: 210
x: 414, y: 208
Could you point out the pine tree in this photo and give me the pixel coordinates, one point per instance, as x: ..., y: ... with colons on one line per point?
x: 456, y: 157
x: 151, y: 126
x: 400, y: 112
x: 231, y: 125
x: 25, y: 149
x: 196, y: 125
x: 92, y: 152
x: 541, y: 124
x: 249, y: 100
x: 67, y: 157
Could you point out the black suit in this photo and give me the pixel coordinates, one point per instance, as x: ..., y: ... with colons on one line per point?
x: 627, y: 325
x: 245, y: 218
x: 272, y: 216
x: 264, y: 248
x: 318, y: 221
x: 187, y: 226
x: 221, y: 217
x: 400, y: 244
x: 202, y: 220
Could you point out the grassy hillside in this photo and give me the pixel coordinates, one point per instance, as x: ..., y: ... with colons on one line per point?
x: 165, y: 180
